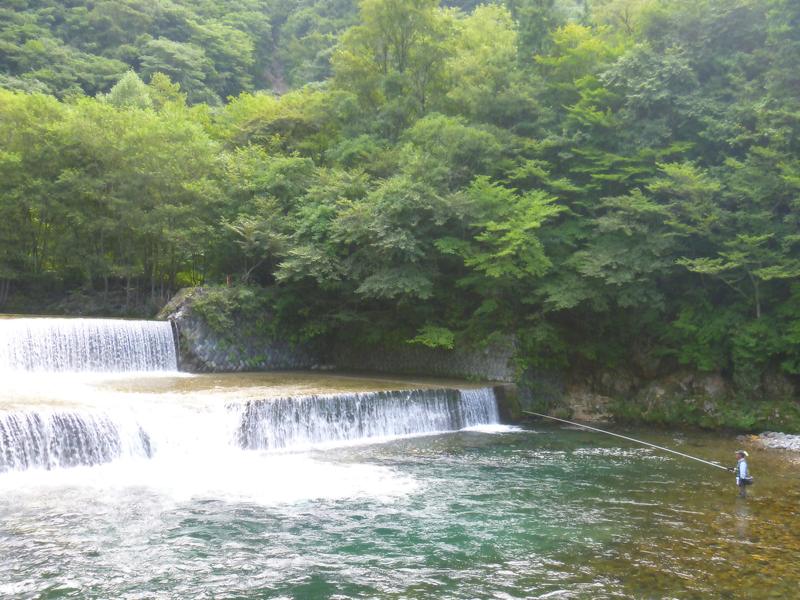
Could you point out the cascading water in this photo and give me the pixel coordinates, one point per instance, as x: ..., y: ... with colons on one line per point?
x: 92, y: 425
x: 49, y: 439
x: 36, y: 352
x: 86, y: 345
x: 307, y: 421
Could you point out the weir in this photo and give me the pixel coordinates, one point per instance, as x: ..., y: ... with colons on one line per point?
x: 50, y: 439
x: 306, y: 421
x: 86, y: 345
x: 97, y: 425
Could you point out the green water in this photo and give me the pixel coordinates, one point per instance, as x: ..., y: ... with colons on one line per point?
x: 551, y: 513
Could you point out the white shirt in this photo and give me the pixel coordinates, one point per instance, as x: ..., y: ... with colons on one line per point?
x: 741, y: 469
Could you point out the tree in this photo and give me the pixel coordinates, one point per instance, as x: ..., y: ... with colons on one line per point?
x: 482, y: 64
x: 184, y: 63
x: 394, y: 61
x: 130, y: 91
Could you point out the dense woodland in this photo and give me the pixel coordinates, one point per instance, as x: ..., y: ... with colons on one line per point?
x: 612, y: 181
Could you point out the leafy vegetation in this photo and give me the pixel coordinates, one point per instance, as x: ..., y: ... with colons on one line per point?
x: 606, y: 180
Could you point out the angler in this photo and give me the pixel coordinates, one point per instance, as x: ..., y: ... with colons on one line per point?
x: 743, y: 478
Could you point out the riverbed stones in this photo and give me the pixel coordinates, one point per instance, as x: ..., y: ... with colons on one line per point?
x: 780, y: 441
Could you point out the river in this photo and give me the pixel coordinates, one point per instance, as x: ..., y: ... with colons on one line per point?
x: 160, y: 484
x: 494, y: 512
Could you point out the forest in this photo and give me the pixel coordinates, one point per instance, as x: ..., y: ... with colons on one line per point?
x: 610, y: 181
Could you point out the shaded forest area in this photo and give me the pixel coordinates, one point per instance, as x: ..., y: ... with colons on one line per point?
x: 613, y: 182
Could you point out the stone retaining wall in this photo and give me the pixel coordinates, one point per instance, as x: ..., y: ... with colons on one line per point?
x: 202, y: 350
x: 491, y: 363
x: 669, y: 397
x: 205, y: 350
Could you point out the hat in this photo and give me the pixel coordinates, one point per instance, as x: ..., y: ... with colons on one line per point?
x: 742, y: 452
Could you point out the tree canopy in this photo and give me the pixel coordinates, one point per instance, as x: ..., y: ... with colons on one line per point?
x: 593, y: 177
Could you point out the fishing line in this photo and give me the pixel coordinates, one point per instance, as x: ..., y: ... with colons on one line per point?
x: 625, y: 437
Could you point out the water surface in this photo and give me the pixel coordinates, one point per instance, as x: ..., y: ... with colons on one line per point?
x: 492, y: 513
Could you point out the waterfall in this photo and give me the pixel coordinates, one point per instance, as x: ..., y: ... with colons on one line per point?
x: 43, y: 359
x: 49, y: 439
x: 480, y: 407
x: 86, y: 345
x: 310, y: 420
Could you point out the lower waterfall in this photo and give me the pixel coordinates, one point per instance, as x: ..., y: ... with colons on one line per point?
x: 49, y: 437
x: 310, y: 420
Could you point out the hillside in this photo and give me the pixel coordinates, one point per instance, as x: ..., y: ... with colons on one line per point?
x: 616, y: 184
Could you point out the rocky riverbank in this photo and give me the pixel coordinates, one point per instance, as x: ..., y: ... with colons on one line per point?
x: 778, y: 441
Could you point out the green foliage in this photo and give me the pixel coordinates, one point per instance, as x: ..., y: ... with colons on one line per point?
x: 447, y: 154
x: 506, y: 245
x: 226, y: 308
x: 701, y: 333
x: 593, y: 178
x: 213, y: 49
x: 434, y: 337
x: 130, y: 92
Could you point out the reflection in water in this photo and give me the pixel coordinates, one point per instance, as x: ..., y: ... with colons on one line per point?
x: 742, y: 513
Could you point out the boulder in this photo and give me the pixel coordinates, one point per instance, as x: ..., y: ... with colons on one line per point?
x: 204, y: 350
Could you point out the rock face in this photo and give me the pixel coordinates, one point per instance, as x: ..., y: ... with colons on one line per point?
x: 626, y: 394
x: 777, y: 385
x: 202, y: 350
x: 586, y: 405
x: 703, y: 390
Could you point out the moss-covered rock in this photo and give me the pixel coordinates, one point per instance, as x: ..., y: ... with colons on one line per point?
x: 223, y: 329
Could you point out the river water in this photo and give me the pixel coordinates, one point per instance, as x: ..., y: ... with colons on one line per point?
x: 122, y: 478
x: 494, y: 512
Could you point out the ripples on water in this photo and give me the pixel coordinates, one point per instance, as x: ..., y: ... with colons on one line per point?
x: 510, y: 514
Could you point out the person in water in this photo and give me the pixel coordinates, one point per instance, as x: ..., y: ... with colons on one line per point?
x: 743, y: 478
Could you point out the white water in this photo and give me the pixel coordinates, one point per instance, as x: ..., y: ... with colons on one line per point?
x: 52, y: 438
x: 319, y: 420
x: 133, y: 427
x: 86, y: 345
x: 62, y: 424
x: 180, y: 449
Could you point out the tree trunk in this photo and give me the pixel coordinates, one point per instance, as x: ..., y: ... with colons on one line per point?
x: 756, y: 294
x: 102, y: 251
x: 5, y: 290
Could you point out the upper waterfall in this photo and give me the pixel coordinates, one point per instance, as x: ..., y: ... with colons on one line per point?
x: 86, y: 345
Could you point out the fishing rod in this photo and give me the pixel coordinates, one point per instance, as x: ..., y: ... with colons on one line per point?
x: 630, y: 439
